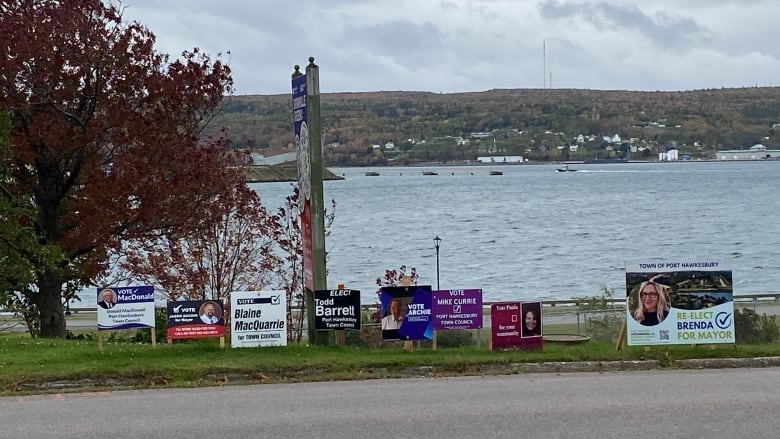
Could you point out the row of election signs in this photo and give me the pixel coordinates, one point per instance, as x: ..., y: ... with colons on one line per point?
x: 669, y: 302
x: 258, y: 318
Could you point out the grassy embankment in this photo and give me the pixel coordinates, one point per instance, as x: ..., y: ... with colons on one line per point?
x: 44, y: 365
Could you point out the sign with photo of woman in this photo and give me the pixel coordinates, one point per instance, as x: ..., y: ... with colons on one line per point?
x: 679, y: 302
x: 531, y: 313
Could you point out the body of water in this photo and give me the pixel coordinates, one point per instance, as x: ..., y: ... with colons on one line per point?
x: 534, y: 233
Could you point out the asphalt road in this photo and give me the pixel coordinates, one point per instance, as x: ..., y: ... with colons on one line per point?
x: 728, y: 403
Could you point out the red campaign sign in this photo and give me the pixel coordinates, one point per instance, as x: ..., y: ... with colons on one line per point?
x: 198, y: 330
x: 308, y: 253
x: 505, y: 325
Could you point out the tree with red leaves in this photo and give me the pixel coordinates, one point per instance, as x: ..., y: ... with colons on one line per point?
x: 233, y: 250
x: 105, y: 139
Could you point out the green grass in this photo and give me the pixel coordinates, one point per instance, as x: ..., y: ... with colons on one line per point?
x: 43, y: 365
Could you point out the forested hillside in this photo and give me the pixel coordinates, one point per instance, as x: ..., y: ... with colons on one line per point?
x: 539, y: 124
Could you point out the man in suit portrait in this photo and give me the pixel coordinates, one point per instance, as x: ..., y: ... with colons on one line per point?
x: 107, y: 299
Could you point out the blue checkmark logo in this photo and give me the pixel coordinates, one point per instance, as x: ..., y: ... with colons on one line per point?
x: 723, y: 320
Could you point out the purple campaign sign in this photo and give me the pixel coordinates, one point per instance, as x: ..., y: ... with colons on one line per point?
x: 457, y: 309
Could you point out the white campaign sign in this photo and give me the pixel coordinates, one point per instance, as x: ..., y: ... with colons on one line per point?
x: 258, y: 318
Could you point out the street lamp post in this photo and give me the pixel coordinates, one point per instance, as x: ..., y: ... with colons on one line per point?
x: 436, y: 243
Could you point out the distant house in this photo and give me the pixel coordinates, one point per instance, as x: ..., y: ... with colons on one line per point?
x: 669, y: 156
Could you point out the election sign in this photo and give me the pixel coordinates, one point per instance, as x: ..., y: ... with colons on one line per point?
x: 125, y: 307
x: 679, y: 302
x: 336, y: 309
x: 195, y: 319
x: 505, y: 325
x: 302, y: 147
x: 258, y: 318
x: 406, y: 312
x: 457, y: 309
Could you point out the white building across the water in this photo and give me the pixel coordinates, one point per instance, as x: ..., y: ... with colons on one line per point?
x: 756, y: 152
x: 500, y: 159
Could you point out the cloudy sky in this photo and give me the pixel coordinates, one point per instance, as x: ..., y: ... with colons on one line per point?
x: 449, y: 46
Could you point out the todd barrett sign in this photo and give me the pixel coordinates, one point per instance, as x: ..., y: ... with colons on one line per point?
x: 336, y: 309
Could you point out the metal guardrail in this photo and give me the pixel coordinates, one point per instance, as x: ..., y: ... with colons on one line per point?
x: 611, y: 302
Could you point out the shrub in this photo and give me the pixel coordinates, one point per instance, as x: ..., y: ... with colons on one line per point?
x: 605, y: 327
x: 600, y: 301
x: 160, y: 325
x: 454, y: 338
x: 751, y: 328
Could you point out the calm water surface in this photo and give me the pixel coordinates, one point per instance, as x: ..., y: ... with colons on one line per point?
x: 534, y: 233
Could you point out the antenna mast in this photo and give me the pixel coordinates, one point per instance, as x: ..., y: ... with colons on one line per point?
x: 544, y: 63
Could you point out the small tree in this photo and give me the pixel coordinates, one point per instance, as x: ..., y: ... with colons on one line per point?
x: 231, y: 250
x: 290, y: 270
x: 394, y: 278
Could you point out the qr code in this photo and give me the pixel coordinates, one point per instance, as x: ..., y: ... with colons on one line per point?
x: 663, y: 334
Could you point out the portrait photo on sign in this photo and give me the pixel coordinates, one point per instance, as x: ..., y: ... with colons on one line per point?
x: 651, y: 296
x: 405, y: 312
x: 393, y: 311
x: 210, y: 313
x: 531, y: 315
x: 107, y: 298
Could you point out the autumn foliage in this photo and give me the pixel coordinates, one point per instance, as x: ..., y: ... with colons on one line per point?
x: 105, y: 139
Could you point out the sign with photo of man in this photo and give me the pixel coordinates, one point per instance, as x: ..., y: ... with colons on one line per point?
x: 679, y: 302
x: 195, y: 319
x: 125, y: 307
x: 406, y: 312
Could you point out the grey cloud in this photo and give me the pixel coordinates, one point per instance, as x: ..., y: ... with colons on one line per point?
x: 664, y: 29
x: 407, y: 43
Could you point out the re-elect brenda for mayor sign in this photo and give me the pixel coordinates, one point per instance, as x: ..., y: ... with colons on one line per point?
x: 679, y: 302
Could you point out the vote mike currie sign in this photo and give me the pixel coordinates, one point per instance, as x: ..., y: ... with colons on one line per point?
x: 457, y: 309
